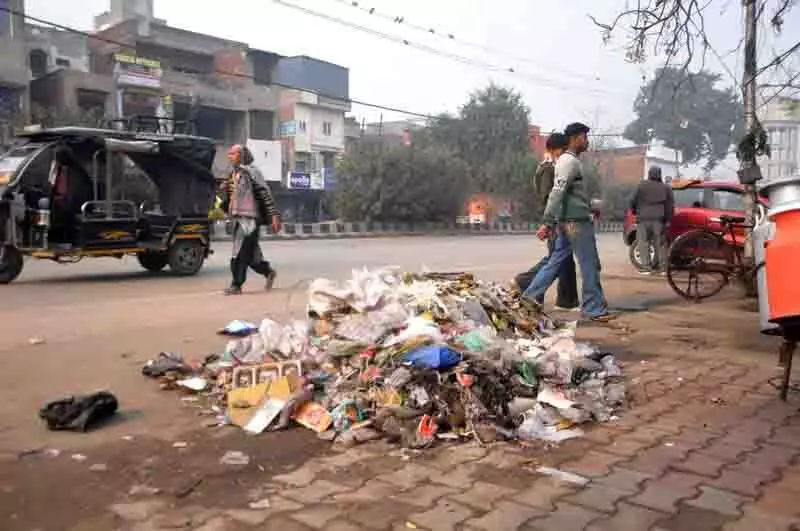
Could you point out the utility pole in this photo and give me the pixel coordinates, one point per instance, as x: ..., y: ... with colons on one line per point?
x: 749, y: 172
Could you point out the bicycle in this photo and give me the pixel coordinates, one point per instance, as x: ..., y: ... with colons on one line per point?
x: 704, y: 262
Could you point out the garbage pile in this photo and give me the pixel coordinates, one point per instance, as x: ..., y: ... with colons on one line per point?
x: 410, y: 357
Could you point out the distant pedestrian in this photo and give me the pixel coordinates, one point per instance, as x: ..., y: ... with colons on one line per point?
x: 570, y: 214
x: 567, y: 291
x: 653, y: 205
x: 248, y: 200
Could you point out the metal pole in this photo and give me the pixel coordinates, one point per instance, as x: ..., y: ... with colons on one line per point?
x: 749, y: 86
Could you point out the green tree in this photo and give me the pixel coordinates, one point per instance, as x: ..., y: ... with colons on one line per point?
x: 395, y: 183
x: 689, y: 113
x: 490, y: 134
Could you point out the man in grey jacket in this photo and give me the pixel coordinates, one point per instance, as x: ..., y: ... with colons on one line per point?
x: 570, y: 213
x: 652, y: 204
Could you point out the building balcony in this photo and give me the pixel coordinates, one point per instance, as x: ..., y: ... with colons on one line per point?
x: 238, y: 95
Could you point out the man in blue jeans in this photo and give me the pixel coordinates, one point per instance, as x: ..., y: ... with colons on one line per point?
x: 570, y: 214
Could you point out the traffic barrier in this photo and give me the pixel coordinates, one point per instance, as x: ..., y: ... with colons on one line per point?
x: 332, y: 230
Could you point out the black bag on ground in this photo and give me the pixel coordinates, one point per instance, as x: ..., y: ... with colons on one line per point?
x: 79, y: 413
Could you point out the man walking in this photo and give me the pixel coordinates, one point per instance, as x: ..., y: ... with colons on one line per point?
x: 653, y: 204
x: 567, y: 291
x: 569, y: 213
x: 248, y: 201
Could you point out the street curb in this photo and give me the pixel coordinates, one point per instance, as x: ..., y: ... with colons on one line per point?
x: 322, y: 231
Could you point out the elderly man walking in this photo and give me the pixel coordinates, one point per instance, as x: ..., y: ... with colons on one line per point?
x: 248, y: 201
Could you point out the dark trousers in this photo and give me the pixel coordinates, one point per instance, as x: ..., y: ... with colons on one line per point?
x: 651, y: 234
x: 249, y: 256
x: 567, y: 290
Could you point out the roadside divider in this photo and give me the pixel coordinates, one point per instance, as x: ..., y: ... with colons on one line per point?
x: 333, y: 230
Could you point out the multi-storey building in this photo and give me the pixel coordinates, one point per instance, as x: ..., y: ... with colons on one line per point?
x: 14, y: 75
x: 781, y: 119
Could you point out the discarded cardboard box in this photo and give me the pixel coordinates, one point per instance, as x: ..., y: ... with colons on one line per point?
x: 314, y: 417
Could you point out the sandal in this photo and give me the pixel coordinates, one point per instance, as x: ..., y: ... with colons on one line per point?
x: 603, y: 318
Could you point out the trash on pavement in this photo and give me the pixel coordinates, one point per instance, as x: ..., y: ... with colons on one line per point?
x: 566, y: 477
x: 79, y: 413
x: 412, y: 357
x: 194, y: 384
x: 235, y: 458
x: 260, y: 505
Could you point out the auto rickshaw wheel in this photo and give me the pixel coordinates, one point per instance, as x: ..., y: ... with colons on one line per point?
x: 153, y: 261
x: 186, y: 257
x: 11, y: 262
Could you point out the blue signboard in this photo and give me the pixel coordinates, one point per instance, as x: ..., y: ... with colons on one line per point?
x: 299, y: 180
x: 287, y: 128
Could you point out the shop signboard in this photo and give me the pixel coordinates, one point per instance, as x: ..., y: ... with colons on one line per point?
x: 288, y: 128
x: 298, y: 180
x: 133, y: 71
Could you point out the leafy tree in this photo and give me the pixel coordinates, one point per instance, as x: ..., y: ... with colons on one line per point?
x: 689, y: 113
x: 490, y: 134
x: 380, y: 182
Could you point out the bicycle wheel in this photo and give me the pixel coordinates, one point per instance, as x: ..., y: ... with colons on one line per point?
x: 699, y: 265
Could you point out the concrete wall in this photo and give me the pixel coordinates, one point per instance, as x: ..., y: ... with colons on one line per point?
x: 619, y: 166
x: 58, y: 45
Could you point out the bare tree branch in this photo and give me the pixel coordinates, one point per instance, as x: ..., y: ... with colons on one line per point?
x: 779, y: 59
x: 777, y: 18
x: 675, y: 29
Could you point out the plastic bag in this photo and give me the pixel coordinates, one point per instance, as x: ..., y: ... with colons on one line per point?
x: 238, y: 329
x: 417, y: 327
x: 79, y: 413
x: 433, y: 357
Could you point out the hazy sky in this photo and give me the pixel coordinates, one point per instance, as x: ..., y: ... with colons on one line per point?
x: 564, y: 70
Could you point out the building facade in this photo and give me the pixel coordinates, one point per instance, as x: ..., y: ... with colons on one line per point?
x: 628, y: 165
x: 14, y: 75
x: 288, y: 110
x: 781, y: 120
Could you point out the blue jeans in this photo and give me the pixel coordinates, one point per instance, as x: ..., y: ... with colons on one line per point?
x: 567, y: 290
x: 577, y: 237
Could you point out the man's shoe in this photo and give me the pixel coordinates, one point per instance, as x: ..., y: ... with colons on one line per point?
x: 602, y: 318
x: 565, y: 309
x: 270, y: 279
x: 233, y: 290
x: 645, y: 272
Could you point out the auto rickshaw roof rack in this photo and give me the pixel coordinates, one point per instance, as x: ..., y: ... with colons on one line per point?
x: 159, y: 125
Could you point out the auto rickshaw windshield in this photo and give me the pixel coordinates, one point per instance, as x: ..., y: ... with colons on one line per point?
x: 12, y: 160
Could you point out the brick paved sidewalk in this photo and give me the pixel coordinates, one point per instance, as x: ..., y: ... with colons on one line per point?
x: 705, y: 446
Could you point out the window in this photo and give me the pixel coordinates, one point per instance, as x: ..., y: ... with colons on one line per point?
x: 727, y: 200
x: 327, y: 128
x: 688, y: 197
x: 62, y: 62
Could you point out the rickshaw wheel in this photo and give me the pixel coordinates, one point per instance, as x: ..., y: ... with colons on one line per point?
x: 153, y: 261
x: 186, y: 257
x: 11, y: 262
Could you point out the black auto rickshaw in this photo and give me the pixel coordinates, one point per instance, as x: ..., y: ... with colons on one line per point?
x: 70, y: 193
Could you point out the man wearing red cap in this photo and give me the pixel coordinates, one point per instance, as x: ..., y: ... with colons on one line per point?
x: 248, y: 200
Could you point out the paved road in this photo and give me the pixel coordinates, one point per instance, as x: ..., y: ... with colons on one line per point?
x: 101, y: 319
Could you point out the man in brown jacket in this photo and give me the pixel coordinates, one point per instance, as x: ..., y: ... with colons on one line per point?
x: 248, y: 201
